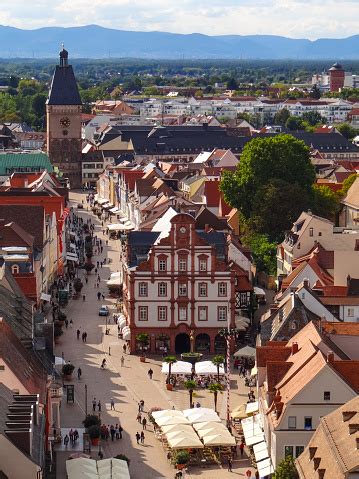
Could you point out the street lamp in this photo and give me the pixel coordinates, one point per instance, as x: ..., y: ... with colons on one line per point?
x: 228, y: 333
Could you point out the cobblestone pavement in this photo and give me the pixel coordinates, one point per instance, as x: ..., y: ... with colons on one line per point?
x: 128, y: 384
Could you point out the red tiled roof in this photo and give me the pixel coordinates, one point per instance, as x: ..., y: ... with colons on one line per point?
x: 212, y: 193
x: 336, y: 291
x: 341, y: 328
x: 272, y: 352
x: 332, y: 186
x: 130, y: 177
x: 349, y: 370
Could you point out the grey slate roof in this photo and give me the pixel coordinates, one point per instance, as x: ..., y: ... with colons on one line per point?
x: 64, y: 89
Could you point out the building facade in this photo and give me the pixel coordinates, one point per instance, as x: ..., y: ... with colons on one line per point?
x: 181, y: 286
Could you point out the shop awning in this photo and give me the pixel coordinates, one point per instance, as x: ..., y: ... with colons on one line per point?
x: 239, y: 412
x: 114, y: 210
x: 260, y: 451
x: 126, y: 333
x: 114, y: 282
x: 72, y: 257
x: 252, y: 407
x: 252, y: 430
x: 72, y: 245
x: 265, y: 467
x: 91, y: 469
x: 45, y: 297
x: 259, y: 291
x: 101, y: 201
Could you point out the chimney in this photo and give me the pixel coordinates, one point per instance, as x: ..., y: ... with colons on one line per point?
x: 312, y: 451
x: 348, y: 415
x: 330, y: 357
x: 306, y: 283
x: 206, y: 228
x: 295, y: 347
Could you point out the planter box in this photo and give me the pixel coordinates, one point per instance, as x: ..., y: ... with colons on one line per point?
x: 95, y: 441
x: 169, y: 387
x: 143, y: 359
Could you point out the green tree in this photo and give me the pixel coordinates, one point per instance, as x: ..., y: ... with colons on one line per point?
x: 281, y: 117
x: 190, y: 385
x: 282, y: 157
x: 315, y: 92
x: 313, y: 118
x: 28, y: 87
x: 325, y: 202
x: 170, y: 360
x: 38, y: 104
x: 215, y: 388
x: 218, y: 361
x: 347, y: 184
x: 347, y: 131
x: 263, y: 251
x: 293, y: 123
x: 232, y: 84
x: 286, y: 469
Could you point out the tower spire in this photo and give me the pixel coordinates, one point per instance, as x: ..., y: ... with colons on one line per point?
x: 64, y: 55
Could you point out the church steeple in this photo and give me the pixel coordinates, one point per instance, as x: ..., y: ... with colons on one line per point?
x: 64, y: 55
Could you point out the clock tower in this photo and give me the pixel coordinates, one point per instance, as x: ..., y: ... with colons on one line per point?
x: 63, y: 111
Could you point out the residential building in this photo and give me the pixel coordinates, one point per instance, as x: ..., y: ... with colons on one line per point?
x: 349, y: 216
x: 179, y: 283
x: 333, y: 450
x: 33, y: 140
x: 23, y: 163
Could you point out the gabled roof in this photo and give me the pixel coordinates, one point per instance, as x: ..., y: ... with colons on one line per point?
x: 30, y: 218
x: 352, y: 197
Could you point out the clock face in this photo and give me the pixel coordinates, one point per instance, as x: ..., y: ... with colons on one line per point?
x: 65, y: 122
x: 182, y: 229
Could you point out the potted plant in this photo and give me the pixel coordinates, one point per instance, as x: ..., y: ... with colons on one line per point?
x: 88, y: 267
x: 61, y: 316
x: 122, y: 457
x: 67, y: 370
x: 215, y: 388
x: 190, y: 385
x: 169, y: 360
x: 94, y: 434
x: 143, y: 339
x: 182, y: 458
x: 78, y: 285
x: 91, y: 420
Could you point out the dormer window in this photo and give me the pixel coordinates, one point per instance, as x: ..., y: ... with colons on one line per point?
x: 15, y: 269
x: 311, y: 231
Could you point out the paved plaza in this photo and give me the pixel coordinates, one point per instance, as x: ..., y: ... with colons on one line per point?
x: 128, y: 384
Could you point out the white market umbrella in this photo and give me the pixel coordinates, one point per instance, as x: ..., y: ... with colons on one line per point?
x: 219, y: 440
x: 167, y: 412
x: 203, y: 417
x: 220, y: 429
x: 180, y: 367
x: 184, y: 433
x: 207, y: 367
x: 246, y: 351
x: 191, y: 442
x: 176, y: 427
x: 190, y: 412
x: 168, y: 420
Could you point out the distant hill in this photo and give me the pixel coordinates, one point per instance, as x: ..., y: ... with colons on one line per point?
x: 92, y: 41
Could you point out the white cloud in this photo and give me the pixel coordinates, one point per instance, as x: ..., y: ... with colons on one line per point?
x: 293, y: 18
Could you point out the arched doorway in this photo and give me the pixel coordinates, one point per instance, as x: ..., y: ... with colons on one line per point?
x: 203, y: 343
x: 182, y: 343
x: 219, y: 344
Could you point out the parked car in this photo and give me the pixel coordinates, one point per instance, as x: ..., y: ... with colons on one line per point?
x: 104, y: 311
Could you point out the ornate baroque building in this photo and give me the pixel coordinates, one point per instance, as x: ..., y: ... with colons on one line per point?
x: 63, y: 110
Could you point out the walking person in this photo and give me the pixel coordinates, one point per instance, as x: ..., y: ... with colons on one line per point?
x: 139, y: 417
x: 94, y: 404
x: 142, y: 437
x: 122, y: 361
x: 150, y: 373
x: 71, y: 434
x: 241, y: 448
x: 99, y: 406
x: 71, y: 323
x: 142, y: 405
x: 66, y: 440
x: 84, y: 297
x: 229, y: 464
x: 112, y: 432
x: 112, y: 404
x: 124, y: 348
x: 79, y: 373
x: 85, y: 336
x: 144, y: 423
x: 78, y: 334
x: 138, y: 437
x: 66, y: 323
x: 98, y: 296
x: 120, y: 429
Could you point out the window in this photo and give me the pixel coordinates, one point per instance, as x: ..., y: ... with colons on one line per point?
x: 143, y: 313
x: 288, y: 451
x: 143, y: 289
x: 182, y: 313
x: 308, y: 423
x: 182, y: 264
x: 162, y: 313
x: 298, y: 450
x: 326, y: 395
x: 222, y: 289
x: 202, y: 289
x: 350, y: 313
x: 202, y: 313
x: 203, y: 265
x: 292, y: 422
x: 222, y: 313
x: 162, y: 265
x: 182, y: 289
x: 293, y: 451
x: 310, y: 231
x: 162, y: 289
x: 15, y: 269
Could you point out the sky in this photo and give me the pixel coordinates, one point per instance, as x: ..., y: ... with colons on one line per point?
x: 292, y: 18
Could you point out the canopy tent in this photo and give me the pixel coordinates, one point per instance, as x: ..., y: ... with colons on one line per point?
x: 207, y: 367
x: 222, y: 439
x: 176, y: 427
x: 198, y: 426
x: 72, y: 257
x: 252, y: 430
x: 239, y: 412
x: 166, y: 412
x: 184, y: 433
x: 180, y: 367
x: 185, y: 442
x: 114, y: 282
x: 204, y: 417
x: 252, y: 407
x: 126, y: 333
x: 246, y: 351
x: 122, y: 321
x: 260, y: 451
x: 117, y: 274
x: 265, y: 467
x: 120, y: 227
x: 216, y: 428
x: 169, y: 420
x: 91, y: 469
